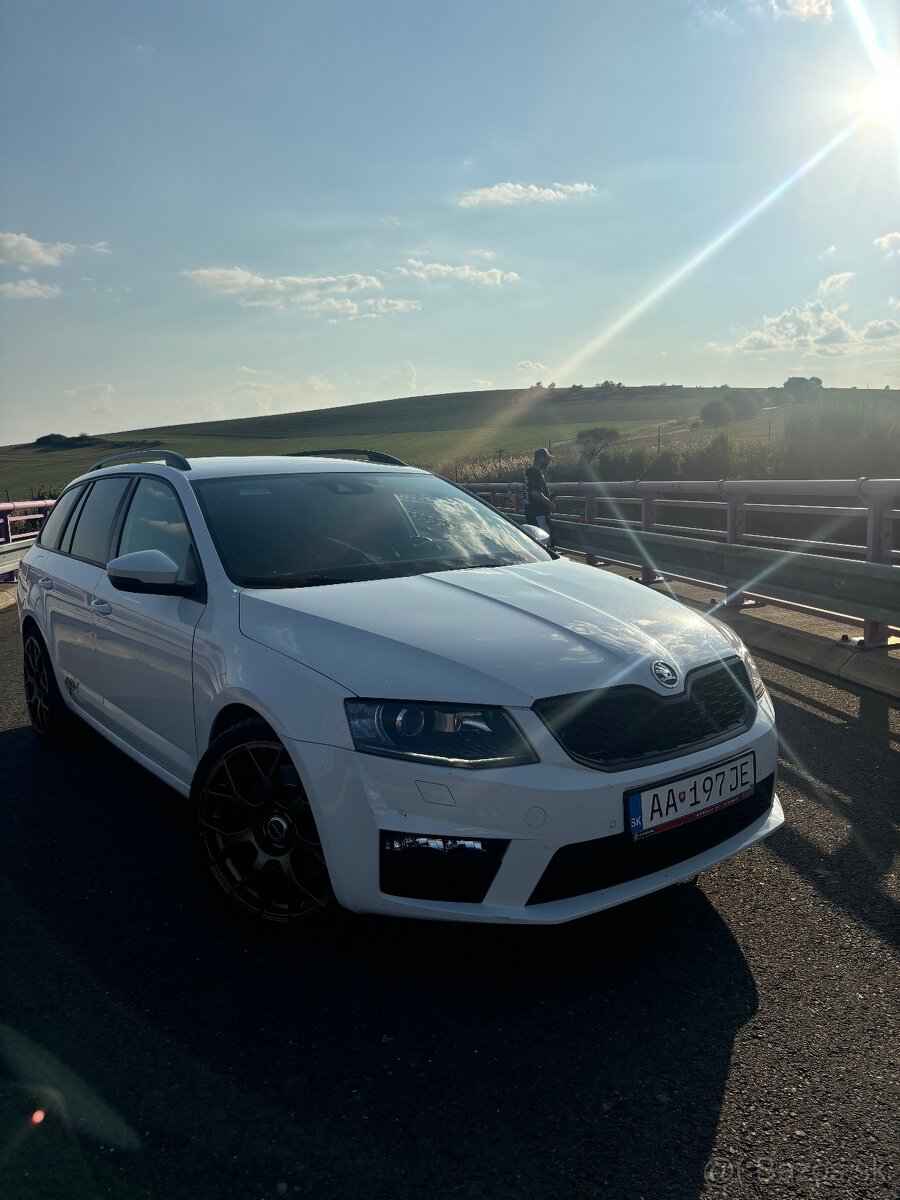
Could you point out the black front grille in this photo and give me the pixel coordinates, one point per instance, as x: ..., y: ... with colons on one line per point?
x: 587, y: 867
x: 620, y: 727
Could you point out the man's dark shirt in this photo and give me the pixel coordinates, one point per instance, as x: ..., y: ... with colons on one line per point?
x: 537, y: 494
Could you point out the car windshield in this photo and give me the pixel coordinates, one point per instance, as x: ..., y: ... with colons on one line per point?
x: 309, y: 528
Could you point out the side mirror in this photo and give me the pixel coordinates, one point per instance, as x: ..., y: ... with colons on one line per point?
x: 541, y: 536
x: 147, y: 571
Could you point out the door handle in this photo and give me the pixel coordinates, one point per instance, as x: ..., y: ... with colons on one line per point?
x: 46, y: 584
x: 101, y: 606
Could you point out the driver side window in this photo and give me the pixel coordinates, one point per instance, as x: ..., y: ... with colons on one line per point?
x: 155, y: 521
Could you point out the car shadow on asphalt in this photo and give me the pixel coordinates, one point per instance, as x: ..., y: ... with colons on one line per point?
x: 377, y: 1058
x: 848, y: 776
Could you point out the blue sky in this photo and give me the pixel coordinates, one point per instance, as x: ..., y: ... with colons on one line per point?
x: 225, y: 207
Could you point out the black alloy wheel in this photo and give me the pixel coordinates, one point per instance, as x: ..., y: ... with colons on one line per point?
x: 46, y: 708
x: 256, y: 831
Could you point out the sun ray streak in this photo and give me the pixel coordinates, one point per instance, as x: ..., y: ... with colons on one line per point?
x: 867, y: 35
x: 657, y: 293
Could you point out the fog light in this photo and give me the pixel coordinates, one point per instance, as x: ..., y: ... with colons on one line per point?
x: 429, y: 866
x: 418, y: 841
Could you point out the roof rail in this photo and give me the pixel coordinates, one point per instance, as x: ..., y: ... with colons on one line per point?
x: 373, y: 456
x: 170, y: 457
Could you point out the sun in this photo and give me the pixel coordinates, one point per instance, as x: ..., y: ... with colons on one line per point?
x: 883, y: 100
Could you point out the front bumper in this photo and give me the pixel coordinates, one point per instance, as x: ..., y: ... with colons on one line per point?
x: 535, y: 825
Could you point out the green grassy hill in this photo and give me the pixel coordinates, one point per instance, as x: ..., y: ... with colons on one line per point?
x: 424, y: 430
x: 430, y: 431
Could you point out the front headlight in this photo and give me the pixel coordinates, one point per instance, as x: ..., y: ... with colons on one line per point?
x: 444, y: 735
x: 756, y: 680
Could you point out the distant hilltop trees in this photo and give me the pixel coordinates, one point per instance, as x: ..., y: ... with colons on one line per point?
x: 742, y: 405
x: 60, y: 441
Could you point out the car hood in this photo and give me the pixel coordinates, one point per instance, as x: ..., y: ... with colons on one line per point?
x: 499, y: 635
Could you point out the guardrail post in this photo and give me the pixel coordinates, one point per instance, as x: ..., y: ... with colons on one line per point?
x: 591, y: 504
x: 5, y: 532
x: 879, y: 522
x: 649, y: 573
x: 735, y: 528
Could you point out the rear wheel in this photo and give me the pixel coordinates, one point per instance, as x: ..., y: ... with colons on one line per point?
x: 49, y: 716
x: 255, y: 829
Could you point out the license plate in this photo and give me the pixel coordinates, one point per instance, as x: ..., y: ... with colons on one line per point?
x: 677, y: 801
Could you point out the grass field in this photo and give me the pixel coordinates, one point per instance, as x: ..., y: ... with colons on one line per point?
x: 429, y: 431
x: 423, y: 430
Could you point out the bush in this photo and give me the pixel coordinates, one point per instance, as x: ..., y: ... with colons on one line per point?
x: 744, y: 405
x: 668, y: 464
x: 717, y: 412
x: 840, y: 439
x: 600, y: 433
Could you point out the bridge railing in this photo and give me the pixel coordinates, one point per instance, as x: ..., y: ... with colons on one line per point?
x: 629, y: 523
x: 20, y: 523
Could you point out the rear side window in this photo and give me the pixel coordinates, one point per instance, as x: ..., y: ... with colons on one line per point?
x: 56, y: 520
x: 93, y: 530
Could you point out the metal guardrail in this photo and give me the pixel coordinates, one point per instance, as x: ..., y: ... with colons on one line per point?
x: 10, y: 557
x: 815, y: 573
x: 17, y: 531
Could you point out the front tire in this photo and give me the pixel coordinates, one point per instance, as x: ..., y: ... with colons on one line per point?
x: 50, y: 718
x: 255, y: 830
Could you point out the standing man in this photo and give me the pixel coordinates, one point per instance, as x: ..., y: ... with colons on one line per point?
x: 538, y: 505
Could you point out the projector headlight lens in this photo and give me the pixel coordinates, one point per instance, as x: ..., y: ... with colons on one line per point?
x: 445, y: 735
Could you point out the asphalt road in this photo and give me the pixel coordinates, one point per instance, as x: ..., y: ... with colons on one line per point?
x: 751, y: 1021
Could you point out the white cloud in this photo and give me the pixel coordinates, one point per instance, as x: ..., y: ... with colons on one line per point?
x: 890, y: 244
x: 815, y: 329
x: 834, y: 283
x: 803, y: 10
x: 29, y: 289
x: 384, y: 306
x: 97, y: 398
x: 714, y: 15
x: 324, y: 294
x: 877, y: 330
x: 893, y: 302
x: 493, y: 277
x: 523, y: 193
x: 18, y: 249
x: 482, y: 383
x: 364, y: 310
x: 28, y: 252
x: 334, y: 297
x: 528, y: 364
x: 271, y: 393
x: 318, y: 383
x: 829, y: 252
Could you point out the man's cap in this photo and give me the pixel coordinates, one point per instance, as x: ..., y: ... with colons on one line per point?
x: 542, y: 452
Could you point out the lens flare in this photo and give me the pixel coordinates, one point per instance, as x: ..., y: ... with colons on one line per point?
x: 666, y: 285
x: 883, y: 100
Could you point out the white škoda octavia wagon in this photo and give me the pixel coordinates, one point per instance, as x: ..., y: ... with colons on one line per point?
x: 377, y: 690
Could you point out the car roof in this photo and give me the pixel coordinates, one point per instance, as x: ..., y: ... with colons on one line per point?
x: 236, y: 466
